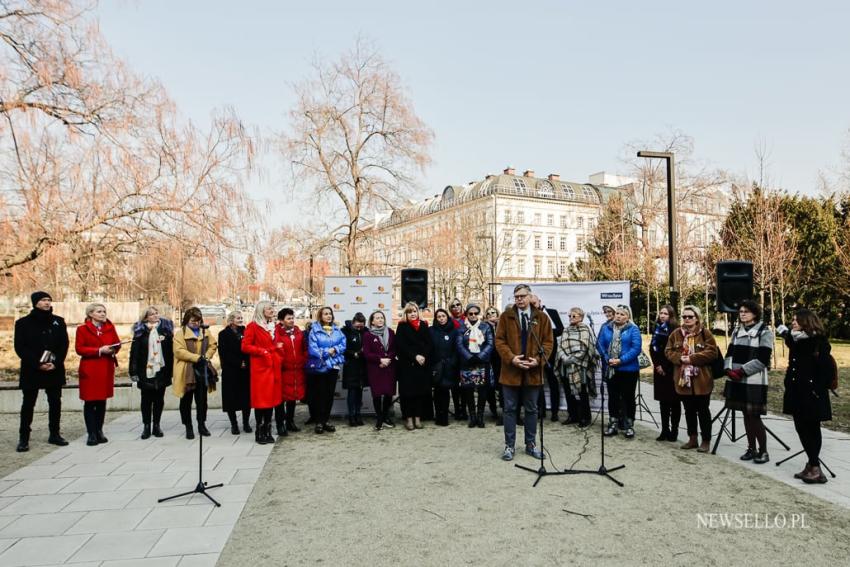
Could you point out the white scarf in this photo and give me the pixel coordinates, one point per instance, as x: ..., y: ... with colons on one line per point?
x: 269, y: 326
x: 155, y: 359
x: 476, y: 337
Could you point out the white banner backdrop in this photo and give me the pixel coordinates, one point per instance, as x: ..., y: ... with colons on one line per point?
x: 347, y: 295
x: 589, y: 296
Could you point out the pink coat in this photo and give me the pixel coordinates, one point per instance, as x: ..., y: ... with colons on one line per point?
x: 381, y: 380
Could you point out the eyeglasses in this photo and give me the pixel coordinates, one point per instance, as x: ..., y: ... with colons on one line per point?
x: 523, y: 296
x: 689, y: 316
x: 574, y: 315
x: 476, y: 313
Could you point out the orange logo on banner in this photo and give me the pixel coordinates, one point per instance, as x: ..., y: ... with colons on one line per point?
x: 336, y: 307
x: 380, y: 288
x: 358, y: 299
x: 380, y: 306
x: 358, y: 282
x: 336, y: 289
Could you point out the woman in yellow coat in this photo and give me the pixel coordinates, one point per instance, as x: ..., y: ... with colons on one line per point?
x: 188, y: 346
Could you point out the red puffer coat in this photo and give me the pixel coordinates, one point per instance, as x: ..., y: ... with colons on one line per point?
x: 266, y: 389
x: 293, y: 353
x: 97, y: 373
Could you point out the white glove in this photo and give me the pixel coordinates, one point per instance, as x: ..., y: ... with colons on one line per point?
x: 781, y: 330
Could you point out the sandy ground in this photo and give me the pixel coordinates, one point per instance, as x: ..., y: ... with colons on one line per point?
x: 442, y: 496
x: 72, y: 427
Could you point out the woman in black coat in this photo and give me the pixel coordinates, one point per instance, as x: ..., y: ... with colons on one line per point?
x: 41, y: 342
x: 807, y: 382
x: 415, y: 352
x: 235, y: 373
x: 152, y: 366
x: 444, y: 364
x: 354, y: 367
x: 663, y: 388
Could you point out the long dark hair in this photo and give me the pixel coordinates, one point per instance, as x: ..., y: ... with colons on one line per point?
x: 809, y: 322
x: 673, y: 321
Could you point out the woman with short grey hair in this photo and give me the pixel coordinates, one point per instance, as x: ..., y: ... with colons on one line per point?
x: 151, y: 366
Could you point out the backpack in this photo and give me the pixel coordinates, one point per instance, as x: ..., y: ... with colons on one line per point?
x: 833, y: 370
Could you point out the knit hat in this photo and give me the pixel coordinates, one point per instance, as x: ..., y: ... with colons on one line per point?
x: 471, y: 306
x: 38, y: 296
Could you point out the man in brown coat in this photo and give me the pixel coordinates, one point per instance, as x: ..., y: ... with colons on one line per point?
x: 521, y: 334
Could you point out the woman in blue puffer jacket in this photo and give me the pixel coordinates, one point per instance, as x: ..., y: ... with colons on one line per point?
x: 619, y: 345
x: 325, y: 357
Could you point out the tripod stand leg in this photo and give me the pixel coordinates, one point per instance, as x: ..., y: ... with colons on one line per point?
x: 789, y: 458
x: 187, y: 493
x: 829, y: 470
x: 781, y: 442
x: 720, y: 433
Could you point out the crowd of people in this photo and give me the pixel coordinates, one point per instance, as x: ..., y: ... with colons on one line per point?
x: 468, y: 358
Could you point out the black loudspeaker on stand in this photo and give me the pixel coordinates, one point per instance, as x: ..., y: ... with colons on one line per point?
x: 602, y: 470
x: 541, y: 471
x: 414, y: 287
x: 734, y: 284
x: 201, y: 487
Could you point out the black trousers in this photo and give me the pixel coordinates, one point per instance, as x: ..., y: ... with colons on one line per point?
x: 324, y: 385
x: 469, y: 399
x: 554, y: 393
x: 671, y: 415
x: 199, y: 394
x: 696, y: 408
x: 493, y: 402
x: 621, y: 402
x: 382, y: 405
x: 457, y: 403
x: 94, y: 414
x: 441, y: 405
x: 54, y: 411
x: 578, y: 408
x: 284, y: 412
x: 246, y: 416
x: 151, y: 405
x: 810, y: 438
x: 414, y: 406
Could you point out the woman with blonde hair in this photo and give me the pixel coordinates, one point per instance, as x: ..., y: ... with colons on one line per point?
x: 194, y: 348
x: 692, y: 348
x: 415, y: 349
x: 235, y: 373
x: 151, y: 366
x: 265, y: 368
x: 97, y: 343
x: 325, y: 357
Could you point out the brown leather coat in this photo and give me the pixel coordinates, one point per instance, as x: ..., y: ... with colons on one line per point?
x: 509, y: 345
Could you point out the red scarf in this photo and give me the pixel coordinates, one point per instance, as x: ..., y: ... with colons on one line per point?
x: 414, y: 323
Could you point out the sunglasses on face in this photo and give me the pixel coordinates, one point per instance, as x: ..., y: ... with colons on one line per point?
x: 473, y: 313
x: 689, y: 316
x: 455, y: 305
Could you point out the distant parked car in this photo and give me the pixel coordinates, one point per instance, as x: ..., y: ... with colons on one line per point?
x: 214, y: 314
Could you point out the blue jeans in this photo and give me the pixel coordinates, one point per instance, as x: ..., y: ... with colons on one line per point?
x: 529, y: 403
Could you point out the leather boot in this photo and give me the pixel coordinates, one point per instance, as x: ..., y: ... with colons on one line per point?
x: 190, y: 431
x: 480, y: 419
x: 202, y: 429
x: 269, y: 438
x: 157, y: 432
x: 803, y: 472
x: 56, y: 439
x: 815, y: 476
x: 691, y: 444
x: 246, y: 425
x: 258, y: 435
x: 290, y: 426
x: 101, y: 438
x: 281, y: 429
x: 146, y: 431
x: 23, y: 443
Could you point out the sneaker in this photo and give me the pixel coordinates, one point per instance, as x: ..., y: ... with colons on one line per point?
x: 748, y: 456
x: 533, y: 451
x: 389, y: 423
x: 761, y: 458
x: 629, y: 433
x: 611, y: 430
x: 508, y: 455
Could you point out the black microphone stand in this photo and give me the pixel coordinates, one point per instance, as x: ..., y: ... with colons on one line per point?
x: 201, y: 487
x: 541, y: 471
x: 602, y: 470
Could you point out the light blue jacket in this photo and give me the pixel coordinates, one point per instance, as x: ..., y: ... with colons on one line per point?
x: 319, y: 344
x: 630, y: 345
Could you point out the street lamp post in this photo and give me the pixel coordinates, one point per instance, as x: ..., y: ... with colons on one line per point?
x: 671, y: 219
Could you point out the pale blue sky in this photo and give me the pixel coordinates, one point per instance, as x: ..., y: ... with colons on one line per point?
x: 554, y: 87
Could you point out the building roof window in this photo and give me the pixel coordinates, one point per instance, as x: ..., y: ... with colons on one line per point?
x: 545, y: 189
x: 568, y: 190
x: 519, y: 185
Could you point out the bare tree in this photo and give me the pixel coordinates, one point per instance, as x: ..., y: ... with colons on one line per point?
x: 355, y: 139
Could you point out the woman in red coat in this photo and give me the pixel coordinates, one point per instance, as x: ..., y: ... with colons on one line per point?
x: 266, y: 389
x: 96, y: 343
x: 289, y: 340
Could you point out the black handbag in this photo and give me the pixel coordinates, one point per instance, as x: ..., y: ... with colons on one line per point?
x: 210, y: 377
x: 718, y: 369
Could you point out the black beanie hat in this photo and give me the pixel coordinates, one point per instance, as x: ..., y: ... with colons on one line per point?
x: 38, y: 296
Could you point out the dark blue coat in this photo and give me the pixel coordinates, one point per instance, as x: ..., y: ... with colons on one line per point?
x: 467, y: 358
